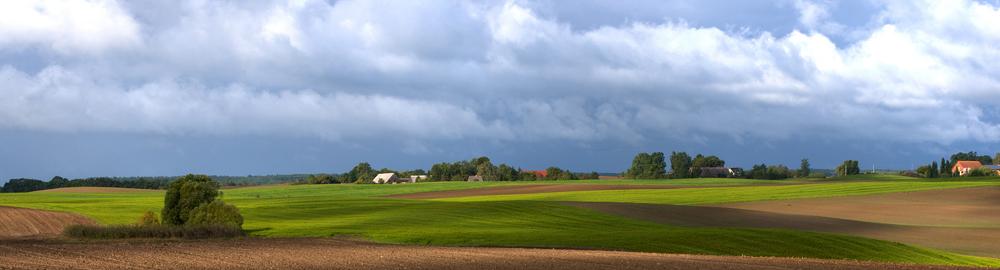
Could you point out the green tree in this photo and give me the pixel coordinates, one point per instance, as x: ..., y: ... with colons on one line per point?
x: 184, y: 194
x: 148, y: 219
x: 648, y: 166
x: 945, y: 170
x: 680, y: 164
x: 981, y: 171
x: 486, y: 170
x: 361, y: 172
x: 803, y: 169
x: 325, y: 179
x: 932, y: 171
x: 508, y: 173
x: 216, y: 212
x: 849, y: 167
x: 709, y: 161
x: 553, y: 173
x: 971, y: 156
x: 595, y: 175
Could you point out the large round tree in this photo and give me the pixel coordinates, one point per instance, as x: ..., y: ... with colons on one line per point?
x: 186, y: 193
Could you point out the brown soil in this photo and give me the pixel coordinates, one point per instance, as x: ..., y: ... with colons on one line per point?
x: 325, y: 253
x: 22, y: 223
x: 964, y: 207
x: 96, y: 190
x: 971, y: 241
x: 532, y: 189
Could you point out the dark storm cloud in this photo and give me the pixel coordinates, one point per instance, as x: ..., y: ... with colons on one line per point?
x: 506, y: 71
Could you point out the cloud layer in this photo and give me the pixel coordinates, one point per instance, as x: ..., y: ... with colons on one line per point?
x: 917, y: 71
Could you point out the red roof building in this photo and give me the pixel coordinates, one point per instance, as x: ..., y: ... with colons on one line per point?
x: 964, y: 166
x: 538, y: 174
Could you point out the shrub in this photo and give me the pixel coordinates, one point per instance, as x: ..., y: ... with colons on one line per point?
x: 817, y: 175
x: 148, y: 219
x: 185, y: 194
x: 155, y: 232
x: 981, y: 171
x: 217, y: 212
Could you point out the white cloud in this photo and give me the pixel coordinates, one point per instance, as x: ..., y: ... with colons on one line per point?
x: 67, y: 27
x: 501, y: 71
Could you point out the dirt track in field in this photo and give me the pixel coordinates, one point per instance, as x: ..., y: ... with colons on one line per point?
x: 532, y: 189
x: 22, y: 223
x: 327, y: 253
x: 95, y: 190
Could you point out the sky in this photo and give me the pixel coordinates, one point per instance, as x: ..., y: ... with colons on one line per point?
x: 172, y: 87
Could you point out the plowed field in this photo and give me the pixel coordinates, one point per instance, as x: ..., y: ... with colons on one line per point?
x: 21, y: 223
x: 325, y: 253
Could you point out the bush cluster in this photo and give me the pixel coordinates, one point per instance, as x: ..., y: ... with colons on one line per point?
x: 153, y: 232
x: 190, y: 211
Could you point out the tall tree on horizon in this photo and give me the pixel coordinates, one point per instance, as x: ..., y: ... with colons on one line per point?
x: 803, y: 169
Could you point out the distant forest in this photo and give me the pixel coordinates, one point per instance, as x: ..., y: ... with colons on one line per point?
x: 144, y: 182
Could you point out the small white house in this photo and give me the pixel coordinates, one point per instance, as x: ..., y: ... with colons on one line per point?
x: 386, y: 178
x: 414, y: 178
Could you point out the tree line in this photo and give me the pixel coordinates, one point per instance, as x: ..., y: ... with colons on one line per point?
x: 29, y: 185
x: 682, y: 165
x: 945, y: 168
x: 483, y: 167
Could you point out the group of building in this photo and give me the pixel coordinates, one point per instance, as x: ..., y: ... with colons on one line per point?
x: 391, y: 178
x: 963, y: 167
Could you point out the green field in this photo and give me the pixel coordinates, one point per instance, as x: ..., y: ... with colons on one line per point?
x: 526, y: 220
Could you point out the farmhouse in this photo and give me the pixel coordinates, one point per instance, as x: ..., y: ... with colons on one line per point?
x: 475, y: 178
x: 963, y: 166
x: 386, y: 178
x: 414, y: 178
x: 538, y: 174
x: 720, y: 171
x: 994, y: 167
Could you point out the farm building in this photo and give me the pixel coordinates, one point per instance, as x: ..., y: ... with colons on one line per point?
x: 720, y: 172
x: 475, y: 178
x: 994, y: 167
x: 386, y: 178
x: 414, y: 178
x: 538, y: 174
x: 963, y: 166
